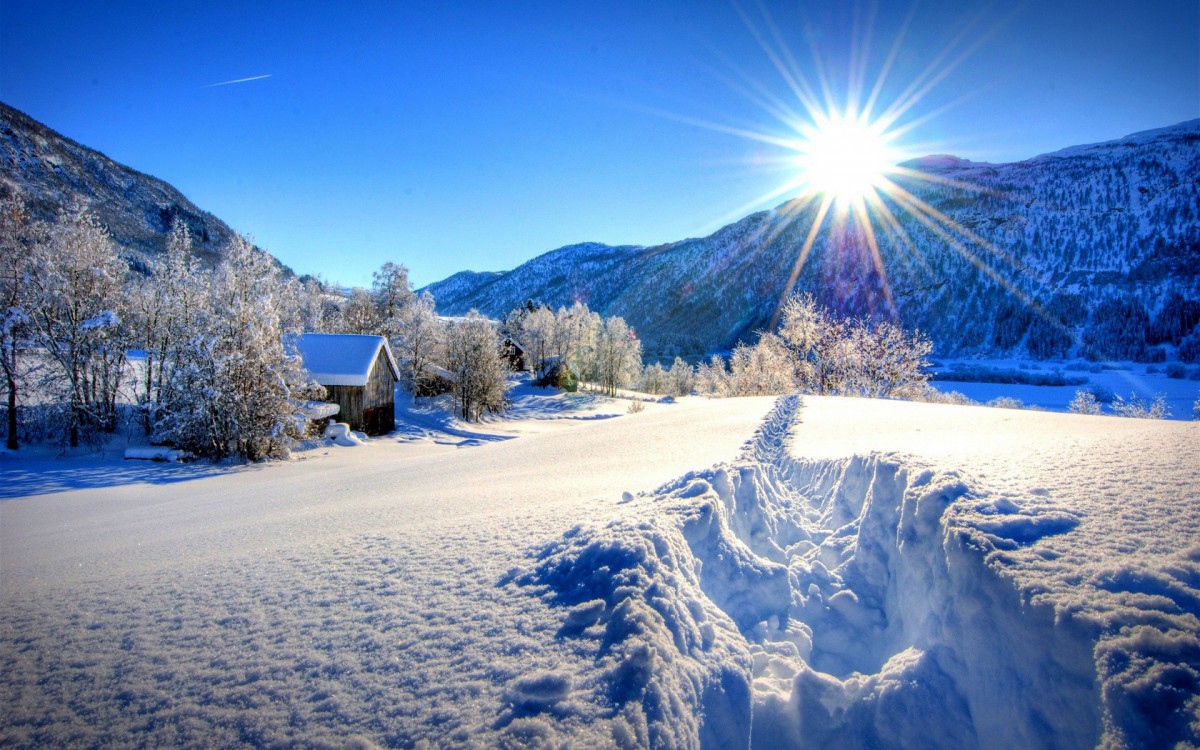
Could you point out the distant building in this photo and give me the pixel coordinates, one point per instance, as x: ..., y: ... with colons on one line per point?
x: 359, y: 374
x: 514, y: 353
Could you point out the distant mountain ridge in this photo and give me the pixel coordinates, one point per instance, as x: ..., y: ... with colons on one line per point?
x: 1089, y: 250
x: 52, y: 172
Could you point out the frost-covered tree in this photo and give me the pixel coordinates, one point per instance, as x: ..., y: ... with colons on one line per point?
x: 473, y: 355
x: 310, y: 306
x: 77, y: 320
x: 418, y: 341
x: 763, y: 369
x: 392, y: 294
x: 163, y: 306
x: 859, y: 357
x: 653, y: 380
x: 359, y: 314
x: 20, y: 237
x: 815, y: 339
x: 235, y: 390
x: 681, y: 378
x: 533, y: 325
x: 1136, y: 408
x: 1084, y: 402
x: 892, y: 359
x: 612, y: 355
x: 573, y: 327
x: 712, y: 378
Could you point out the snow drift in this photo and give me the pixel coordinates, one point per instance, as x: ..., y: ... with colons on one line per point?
x: 859, y: 602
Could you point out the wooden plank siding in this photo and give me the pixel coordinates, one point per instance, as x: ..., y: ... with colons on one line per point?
x: 370, y: 408
x: 379, y: 399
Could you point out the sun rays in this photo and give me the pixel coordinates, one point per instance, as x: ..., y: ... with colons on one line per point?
x: 843, y: 145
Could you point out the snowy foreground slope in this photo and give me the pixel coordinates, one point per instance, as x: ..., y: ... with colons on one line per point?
x: 832, y: 573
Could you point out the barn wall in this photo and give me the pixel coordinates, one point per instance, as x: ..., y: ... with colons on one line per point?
x: 379, y: 400
x: 381, y: 386
x: 350, y: 398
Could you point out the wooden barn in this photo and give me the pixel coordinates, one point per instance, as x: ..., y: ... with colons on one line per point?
x: 359, y: 375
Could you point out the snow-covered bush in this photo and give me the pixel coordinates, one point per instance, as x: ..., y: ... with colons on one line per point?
x: 1084, y: 403
x: 681, y: 378
x: 1136, y: 408
x: 931, y: 395
x: 1196, y: 409
x: 852, y: 357
x: 1006, y: 402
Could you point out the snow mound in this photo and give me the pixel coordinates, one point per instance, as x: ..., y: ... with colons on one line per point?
x: 866, y: 602
x: 667, y: 662
x: 339, y: 433
x: 157, y: 453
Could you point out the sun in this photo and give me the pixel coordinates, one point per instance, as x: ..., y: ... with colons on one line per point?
x: 844, y: 157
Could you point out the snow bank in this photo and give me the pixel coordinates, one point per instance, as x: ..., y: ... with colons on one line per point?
x: 876, y: 602
x: 339, y: 433
x: 170, y: 455
x: 665, y: 659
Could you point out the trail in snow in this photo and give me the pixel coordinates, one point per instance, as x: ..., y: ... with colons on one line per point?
x: 870, y: 601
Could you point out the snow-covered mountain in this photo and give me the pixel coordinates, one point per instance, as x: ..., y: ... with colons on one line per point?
x: 53, y: 172
x: 1089, y: 250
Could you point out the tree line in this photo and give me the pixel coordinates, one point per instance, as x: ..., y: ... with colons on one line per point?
x: 198, y: 355
x: 199, y: 358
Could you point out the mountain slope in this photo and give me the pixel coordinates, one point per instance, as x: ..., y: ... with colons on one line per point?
x: 1091, y: 250
x: 52, y: 172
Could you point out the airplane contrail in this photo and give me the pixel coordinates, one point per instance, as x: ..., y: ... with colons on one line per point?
x: 237, y: 80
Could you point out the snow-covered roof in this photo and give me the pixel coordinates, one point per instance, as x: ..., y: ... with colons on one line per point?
x: 342, y: 358
x: 439, y: 372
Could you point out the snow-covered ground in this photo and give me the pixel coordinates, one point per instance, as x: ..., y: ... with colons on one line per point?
x: 1126, y: 380
x: 833, y: 572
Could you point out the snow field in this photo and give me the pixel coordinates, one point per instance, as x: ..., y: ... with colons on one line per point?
x: 862, y: 574
x: 352, y: 594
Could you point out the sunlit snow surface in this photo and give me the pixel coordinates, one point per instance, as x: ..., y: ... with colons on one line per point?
x: 832, y: 572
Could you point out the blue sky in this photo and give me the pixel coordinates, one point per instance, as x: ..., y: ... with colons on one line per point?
x: 458, y: 135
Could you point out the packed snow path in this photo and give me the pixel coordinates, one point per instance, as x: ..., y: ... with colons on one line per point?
x: 1008, y: 579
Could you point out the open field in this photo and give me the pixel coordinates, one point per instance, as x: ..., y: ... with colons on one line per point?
x: 708, y: 572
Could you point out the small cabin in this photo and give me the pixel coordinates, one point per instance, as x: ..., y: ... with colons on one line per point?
x: 359, y: 374
x: 513, y: 353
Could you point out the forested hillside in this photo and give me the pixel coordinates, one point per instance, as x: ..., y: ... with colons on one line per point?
x: 1090, y: 251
